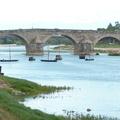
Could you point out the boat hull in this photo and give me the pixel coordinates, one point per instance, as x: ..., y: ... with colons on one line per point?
x: 48, y: 60
x: 8, y: 60
x: 89, y: 59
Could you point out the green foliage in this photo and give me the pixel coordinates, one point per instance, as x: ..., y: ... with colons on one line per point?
x: 101, y: 29
x: 52, y: 40
x: 110, y: 28
x: 113, y: 28
x: 110, y: 25
x: 19, y: 111
x: 59, y: 40
x: 7, y: 90
x: 100, y: 45
x: 101, y: 51
x: 11, y: 40
x: 114, y: 54
x: 97, y: 54
x: 30, y: 87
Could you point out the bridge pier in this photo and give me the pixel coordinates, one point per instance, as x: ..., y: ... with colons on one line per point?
x: 86, y: 48
x: 76, y: 49
x: 81, y: 48
x: 35, y: 49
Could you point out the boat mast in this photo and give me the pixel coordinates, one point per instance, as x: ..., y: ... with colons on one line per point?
x: 9, y: 52
x: 48, y: 51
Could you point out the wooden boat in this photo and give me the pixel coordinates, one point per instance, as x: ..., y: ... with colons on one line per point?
x: 89, y: 59
x: 31, y: 59
x: 48, y: 58
x: 82, y: 56
x: 58, y: 57
x: 10, y: 60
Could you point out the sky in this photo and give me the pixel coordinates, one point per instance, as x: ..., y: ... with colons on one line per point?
x: 61, y: 14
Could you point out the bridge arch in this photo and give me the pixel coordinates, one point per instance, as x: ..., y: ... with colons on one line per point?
x: 21, y: 38
x: 67, y: 36
x: 110, y: 40
x: 114, y: 38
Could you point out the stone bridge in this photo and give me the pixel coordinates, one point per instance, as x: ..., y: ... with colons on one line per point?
x: 83, y: 40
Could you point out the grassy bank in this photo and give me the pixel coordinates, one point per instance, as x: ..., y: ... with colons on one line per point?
x: 22, y: 87
x: 11, y: 109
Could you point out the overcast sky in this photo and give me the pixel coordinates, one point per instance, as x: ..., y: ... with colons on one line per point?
x: 62, y: 14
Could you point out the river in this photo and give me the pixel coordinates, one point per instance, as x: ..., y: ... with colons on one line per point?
x: 96, y: 83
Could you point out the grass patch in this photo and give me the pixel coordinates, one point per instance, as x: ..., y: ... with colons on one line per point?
x: 102, y: 51
x: 22, y: 86
x: 103, y: 45
x: 10, y: 109
x: 114, y: 54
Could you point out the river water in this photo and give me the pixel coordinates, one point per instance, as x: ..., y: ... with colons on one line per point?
x: 96, y: 83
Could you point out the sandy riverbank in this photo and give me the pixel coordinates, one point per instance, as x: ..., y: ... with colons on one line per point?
x: 8, y: 45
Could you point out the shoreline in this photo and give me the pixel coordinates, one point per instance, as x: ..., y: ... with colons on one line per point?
x: 63, y: 47
x: 4, y: 45
x: 8, y: 45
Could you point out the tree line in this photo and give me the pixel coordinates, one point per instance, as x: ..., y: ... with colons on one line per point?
x: 11, y: 40
x: 55, y: 40
x: 111, y: 27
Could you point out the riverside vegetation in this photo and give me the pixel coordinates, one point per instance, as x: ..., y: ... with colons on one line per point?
x: 11, y: 109
x: 111, y: 49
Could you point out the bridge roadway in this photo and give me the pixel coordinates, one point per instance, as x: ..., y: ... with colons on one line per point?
x: 83, y: 40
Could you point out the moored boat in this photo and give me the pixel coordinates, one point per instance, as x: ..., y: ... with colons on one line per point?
x: 8, y: 60
x: 31, y: 59
x: 58, y: 57
x: 49, y: 60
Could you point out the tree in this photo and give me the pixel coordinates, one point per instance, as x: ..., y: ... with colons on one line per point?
x: 110, y: 25
x: 117, y: 24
